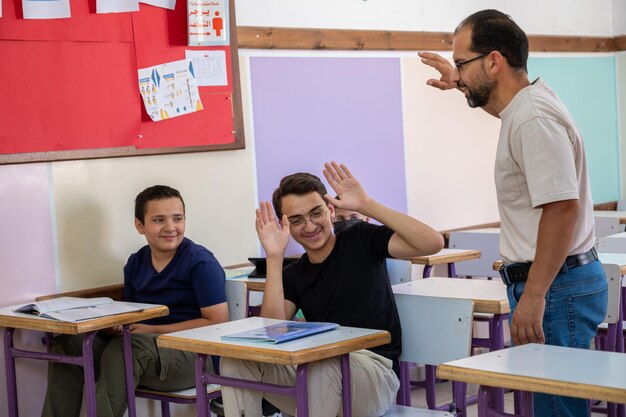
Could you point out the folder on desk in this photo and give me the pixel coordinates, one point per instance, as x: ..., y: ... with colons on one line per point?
x: 281, y: 332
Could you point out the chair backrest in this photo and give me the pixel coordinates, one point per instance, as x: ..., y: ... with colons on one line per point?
x: 434, y: 329
x: 399, y: 270
x: 614, y: 282
x: 606, y: 226
x: 487, y: 242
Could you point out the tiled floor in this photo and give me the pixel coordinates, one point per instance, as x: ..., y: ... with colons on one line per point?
x: 444, y: 395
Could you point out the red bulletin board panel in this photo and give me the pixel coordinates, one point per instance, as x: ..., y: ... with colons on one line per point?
x: 69, y: 87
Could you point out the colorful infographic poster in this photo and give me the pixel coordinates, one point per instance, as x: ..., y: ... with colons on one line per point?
x: 169, y: 90
x: 207, y: 22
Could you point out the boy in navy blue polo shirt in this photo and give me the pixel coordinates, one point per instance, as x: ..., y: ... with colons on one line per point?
x: 170, y: 270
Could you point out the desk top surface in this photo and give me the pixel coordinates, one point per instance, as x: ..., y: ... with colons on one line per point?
x: 447, y: 255
x: 548, y: 369
x: 307, y: 349
x: 10, y: 318
x: 621, y: 235
x: 488, y: 296
x: 612, y: 214
x: 487, y: 230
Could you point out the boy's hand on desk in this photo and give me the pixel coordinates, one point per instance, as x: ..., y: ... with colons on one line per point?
x: 112, y: 331
x: 351, y: 194
x: 273, y: 237
x: 141, y: 328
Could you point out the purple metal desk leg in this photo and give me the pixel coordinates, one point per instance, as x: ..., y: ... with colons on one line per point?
x: 128, y: 370
x: 346, y: 388
x: 451, y: 270
x: 88, y: 371
x: 486, y: 407
x: 201, y: 400
x: 404, y: 393
x: 9, y: 364
x: 302, y: 393
x: 427, y: 271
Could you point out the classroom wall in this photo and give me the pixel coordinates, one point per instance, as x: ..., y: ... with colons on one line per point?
x: 557, y: 17
x: 70, y: 224
x: 619, y: 17
x: 620, y: 71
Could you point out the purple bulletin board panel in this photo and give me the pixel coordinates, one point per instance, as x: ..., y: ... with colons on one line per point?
x: 27, y: 253
x: 309, y: 110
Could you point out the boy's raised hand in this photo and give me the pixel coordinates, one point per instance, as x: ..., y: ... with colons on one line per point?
x: 273, y: 237
x: 351, y: 194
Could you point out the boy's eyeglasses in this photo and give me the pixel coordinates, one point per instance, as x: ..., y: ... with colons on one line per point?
x: 316, y: 217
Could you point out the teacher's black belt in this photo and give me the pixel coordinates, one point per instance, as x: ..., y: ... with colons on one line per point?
x: 518, y: 272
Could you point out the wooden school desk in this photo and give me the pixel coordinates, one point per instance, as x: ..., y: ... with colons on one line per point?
x: 12, y: 320
x: 445, y: 256
x: 541, y: 368
x: 207, y: 341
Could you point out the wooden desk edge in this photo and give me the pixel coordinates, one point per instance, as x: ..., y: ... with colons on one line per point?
x: 255, y: 286
x: 432, y: 260
x: 55, y: 326
x: 491, y: 307
x: 546, y: 386
x: 275, y: 356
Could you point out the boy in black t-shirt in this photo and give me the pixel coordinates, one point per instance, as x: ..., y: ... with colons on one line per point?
x: 341, y: 279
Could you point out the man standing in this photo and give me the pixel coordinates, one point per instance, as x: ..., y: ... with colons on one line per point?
x: 555, y: 284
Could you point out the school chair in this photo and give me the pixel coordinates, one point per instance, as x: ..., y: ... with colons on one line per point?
x: 187, y: 396
x: 434, y: 330
x: 606, y: 226
x: 399, y: 270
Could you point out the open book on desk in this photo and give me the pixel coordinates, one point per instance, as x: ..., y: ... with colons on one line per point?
x: 281, y: 332
x: 73, y: 309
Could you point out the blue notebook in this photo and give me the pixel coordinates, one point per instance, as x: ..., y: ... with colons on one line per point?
x: 281, y: 332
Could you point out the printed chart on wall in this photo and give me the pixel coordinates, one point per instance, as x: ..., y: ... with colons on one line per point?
x: 126, y: 77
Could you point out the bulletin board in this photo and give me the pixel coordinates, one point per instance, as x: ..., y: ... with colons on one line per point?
x: 70, y: 89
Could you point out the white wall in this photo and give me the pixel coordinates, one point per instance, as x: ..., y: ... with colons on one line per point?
x: 555, y: 17
x: 619, y: 17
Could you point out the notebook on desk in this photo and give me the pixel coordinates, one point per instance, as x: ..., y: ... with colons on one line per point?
x: 260, y: 266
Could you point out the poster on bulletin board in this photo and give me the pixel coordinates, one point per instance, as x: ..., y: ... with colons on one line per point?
x: 205, y: 19
x: 76, y: 90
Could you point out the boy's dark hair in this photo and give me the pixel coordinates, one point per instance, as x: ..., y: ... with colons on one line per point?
x: 156, y: 192
x: 298, y: 184
x: 493, y: 30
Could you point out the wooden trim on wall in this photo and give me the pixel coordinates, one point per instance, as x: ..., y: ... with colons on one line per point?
x: 381, y: 40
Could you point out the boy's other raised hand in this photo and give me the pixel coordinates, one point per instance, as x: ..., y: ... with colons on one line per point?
x: 273, y: 236
x: 351, y: 194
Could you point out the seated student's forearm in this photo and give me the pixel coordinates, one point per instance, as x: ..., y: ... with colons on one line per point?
x: 218, y: 314
x: 415, y: 237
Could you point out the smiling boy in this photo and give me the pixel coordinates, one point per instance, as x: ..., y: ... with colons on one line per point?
x: 170, y: 270
x: 341, y: 278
